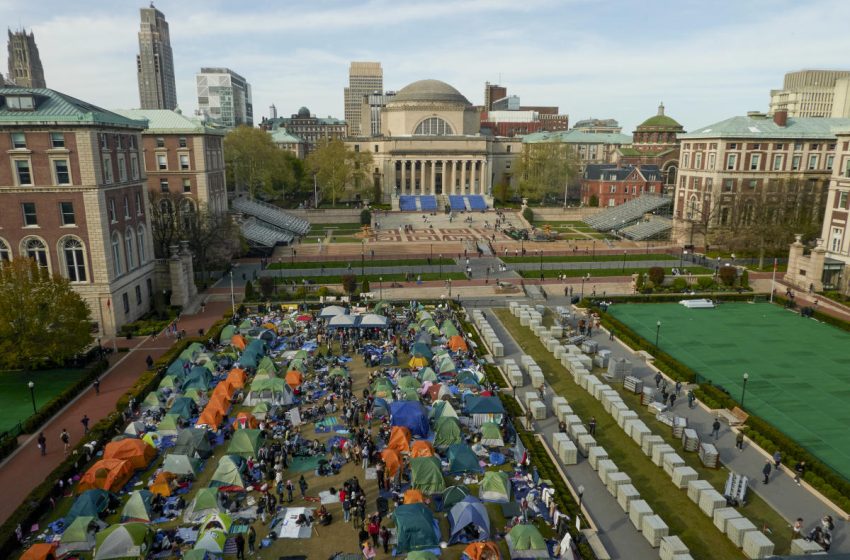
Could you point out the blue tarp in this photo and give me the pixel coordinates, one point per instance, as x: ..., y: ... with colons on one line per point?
x: 468, y: 510
x: 411, y: 415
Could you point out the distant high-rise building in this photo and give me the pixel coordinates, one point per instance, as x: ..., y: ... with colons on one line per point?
x: 24, y: 63
x: 272, y: 111
x: 154, y: 63
x: 225, y: 97
x: 813, y: 93
x: 370, y: 112
x: 493, y: 92
x: 363, y: 78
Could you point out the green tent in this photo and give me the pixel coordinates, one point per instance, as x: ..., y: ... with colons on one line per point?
x: 427, y: 374
x: 495, y: 487
x: 126, y: 541
x: 409, y: 395
x: 245, y: 443
x: 526, y: 541
x: 184, y: 407
x: 229, y: 471
x: 246, y: 324
x: 151, y: 401
x: 212, y: 541
x: 261, y: 410
x: 448, y: 329
x: 216, y: 521
x: 491, y: 434
x: 182, y: 465
x: 422, y: 555
x: 266, y: 364
x: 301, y: 355
x: 176, y: 368
x: 167, y: 382
x: 204, y: 503
x: 447, y: 432
x: 445, y: 365
x: 382, y: 387
x: 408, y: 382
x: 415, y: 528
x: 339, y: 372
x: 454, y: 494
x: 191, y: 351
x: 463, y: 460
x: 192, y: 442
x: 226, y: 334
x: 426, y: 475
x: 193, y: 393
x: 466, y: 377
x: 442, y: 409
x: 80, y: 533
x: 138, y: 507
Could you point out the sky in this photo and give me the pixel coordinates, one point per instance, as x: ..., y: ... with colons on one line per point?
x: 706, y: 60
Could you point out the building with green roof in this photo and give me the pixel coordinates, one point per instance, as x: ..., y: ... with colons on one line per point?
x: 309, y: 128
x: 655, y: 143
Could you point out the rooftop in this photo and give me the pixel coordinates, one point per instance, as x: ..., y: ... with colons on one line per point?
x: 53, y: 107
x: 661, y: 121
x: 577, y: 137
x: 429, y: 90
x: 764, y: 127
x: 281, y: 136
x: 165, y: 121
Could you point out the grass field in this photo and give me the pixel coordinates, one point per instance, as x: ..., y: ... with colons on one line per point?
x: 683, y: 516
x: 589, y: 258
x: 798, y: 374
x: 373, y: 278
x: 15, y: 400
x: 356, y: 262
x: 599, y: 272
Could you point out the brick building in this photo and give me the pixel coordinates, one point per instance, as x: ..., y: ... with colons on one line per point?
x: 311, y: 129
x: 613, y: 184
x: 655, y: 143
x: 73, y: 197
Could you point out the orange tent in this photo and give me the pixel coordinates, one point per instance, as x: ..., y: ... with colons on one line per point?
x: 40, y: 551
x: 223, y: 389
x: 237, y: 377
x: 422, y: 448
x: 106, y: 474
x: 486, y: 550
x: 245, y: 420
x: 238, y: 341
x: 219, y: 401
x: 211, y: 417
x: 457, y: 343
x: 137, y: 452
x: 392, y: 460
x: 399, y: 439
x: 294, y: 378
x: 414, y: 496
x: 162, y: 483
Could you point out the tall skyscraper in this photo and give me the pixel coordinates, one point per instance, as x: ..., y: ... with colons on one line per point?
x: 813, y: 93
x: 224, y: 97
x: 154, y: 63
x: 24, y: 63
x: 363, y: 78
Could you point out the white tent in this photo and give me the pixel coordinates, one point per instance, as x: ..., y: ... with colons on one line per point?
x: 371, y: 320
x: 331, y: 311
x: 343, y: 321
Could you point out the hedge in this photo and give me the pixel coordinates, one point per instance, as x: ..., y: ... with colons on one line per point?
x: 819, y: 475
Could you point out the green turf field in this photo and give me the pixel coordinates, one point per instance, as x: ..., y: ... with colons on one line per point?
x: 798, y: 373
x: 15, y: 400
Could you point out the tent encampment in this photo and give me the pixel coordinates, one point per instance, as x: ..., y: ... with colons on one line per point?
x: 457, y: 344
x: 331, y: 311
x: 426, y: 374
x: 162, y: 483
x: 273, y: 390
x: 204, y: 503
x: 106, y: 474
x: 468, y: 511
x: 245, y: 443
x: 125, y: 541
x: 410, y: 414
x: 442, y: 409
x: 137, y: 507
x: 245, y: 421
x: 495, y: 487
x: 426, y: 475
x: 414, y: 496
x: 415, y: 528
x: 216, y: 520
x: 372, y: 321
x: 447, y: 432
x: 136, y: 451
x: 463, y: 460
x: 525, y: 541
x: 392, y: 461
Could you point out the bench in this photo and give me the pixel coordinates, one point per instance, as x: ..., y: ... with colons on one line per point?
x: 734, y: 417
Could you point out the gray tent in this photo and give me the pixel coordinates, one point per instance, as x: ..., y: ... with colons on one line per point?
x: 192, y: 442
x: 181, y: 465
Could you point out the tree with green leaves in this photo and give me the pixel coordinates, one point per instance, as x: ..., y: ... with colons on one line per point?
x: 256, y: 165
x: 340, y: 170
x: 544, y: 169
x: 42, y: 318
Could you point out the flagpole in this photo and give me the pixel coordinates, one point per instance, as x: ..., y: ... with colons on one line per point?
x: 773, y: 281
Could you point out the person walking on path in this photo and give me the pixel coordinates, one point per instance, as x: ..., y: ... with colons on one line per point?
x: 97, y: 386
x: 672, y: 399
x: 658, y: 378
x: 591, y: 426
x: 65, y: 438
x: 252, y: 539
x: 799, y: 471
x: 715, y: 429
x: 796, y: 528
x: 42, y: 444
x: 302, y: 484
x: 766, y: 471
x: 85, y: 422
x: 691, y: 398
x: 678, y: 388
x: 739, y: 441
x: 777, y: 459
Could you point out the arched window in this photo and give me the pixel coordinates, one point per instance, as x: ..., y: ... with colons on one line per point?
x: 140, y: 240
x: 692, y: 207
x: 434, y: 126
x: 36, y: 250
x: 129, y: 242
x: 75, y: 259
x: 5, y: 253
x: 116, y: 254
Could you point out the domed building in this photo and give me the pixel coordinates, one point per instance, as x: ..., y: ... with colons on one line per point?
x: 431, y: 145
x: 655, y: 142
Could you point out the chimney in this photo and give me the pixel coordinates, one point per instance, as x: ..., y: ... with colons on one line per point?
x: 780, y: 117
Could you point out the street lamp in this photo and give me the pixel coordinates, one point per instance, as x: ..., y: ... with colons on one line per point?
x: 31, y: 385
x: 450, y: 287
x: 232, y: 297
x: 744, y: 389
x: 657, y: 333
x: 362, y: 257
x: 624, y: 261
x: 580, y: 491
x: 441, y: 266
x: 583, y: 280
x: 381, y: 286
x: 540, y: 254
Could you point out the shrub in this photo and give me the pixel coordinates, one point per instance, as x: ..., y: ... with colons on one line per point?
x: 679, y: 285
x: 528, y: 214
x: 705, y: 282
x: 728, y: 275
x: 593, y: 201
x: 266, y: 286
x: 745, y: 279
x: 365, y: 217
x: 656, y: 275
x: 249, y: 291
x: 364, y: 286
x: 349, y: 283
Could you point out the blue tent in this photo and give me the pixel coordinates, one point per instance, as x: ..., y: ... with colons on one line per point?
x: 468, y: 510
x: 416, y: 528
x: 411, y: 415
x: 89, y: 503
x: 462, y: 459
x: 484, y: 405
x: 380, y: 408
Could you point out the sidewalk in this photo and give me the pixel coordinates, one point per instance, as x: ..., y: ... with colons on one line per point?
x: 25, y: 468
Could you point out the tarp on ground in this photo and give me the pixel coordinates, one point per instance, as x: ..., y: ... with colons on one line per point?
x: 183, y: 465
x: 245, y: 443
x: 447, y: 432
x: 495, y: 487
x: 410, y: 414
x: 491, y: 435
x: 204, y: 503
x: 193, y: 442
x: 426, y: 474
x: 525, y: 541
x: 79, y: 535
x: 422, y: 448
x: 463, y: 460
x: 40, y: 551
x: 399, y: 439
x: 392, y: 461
x: 487, y: 550
x: 137, y: 507
x: 125, y: 541
x: 91, y: 503
x: 136, y: 451
x: 106, y: 474
x: 468, y: 510
x: 229, y: 472
x: 415, y: 528
x: 453, y: 495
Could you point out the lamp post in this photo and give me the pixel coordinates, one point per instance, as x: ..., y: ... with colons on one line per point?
x: 580, y: 491
x: 593, y: 256
x: 362, y: 257
x: 441, y: 266
x: 657, y: 333
x: 583, y: 280
x: 232, y: 297
x: 450, y: 287
x: 624, y: 261
x: 31, y: 385
x: 744, y: 389
x: 540, y: 254
x: 381, y: 286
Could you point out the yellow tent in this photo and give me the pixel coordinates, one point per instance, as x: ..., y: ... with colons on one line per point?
x: 417, y: 362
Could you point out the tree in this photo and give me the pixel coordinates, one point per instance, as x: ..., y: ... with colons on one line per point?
x: 365, y: 217
x: 266, y: 286
x: 256, y: 165
x: 42, y: 319
x: 656, y: 275
x: 593, y: 201
x: 349, y: 283
x: 339, y: 170
x: 544, y: 169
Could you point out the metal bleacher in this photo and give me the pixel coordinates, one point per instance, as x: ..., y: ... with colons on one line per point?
x: 428, y: 203
x: 457, y: 203
x: 476, y: 202
x: 260, y: 234
x: 654, y: 227
x: 618, y: 217
x: 271, y: 215
x: 407, y: 203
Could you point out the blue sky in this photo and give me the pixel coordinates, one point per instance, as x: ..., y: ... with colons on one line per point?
x: 706, y: 60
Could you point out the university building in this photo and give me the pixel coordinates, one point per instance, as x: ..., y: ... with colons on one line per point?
x: 615, y: 184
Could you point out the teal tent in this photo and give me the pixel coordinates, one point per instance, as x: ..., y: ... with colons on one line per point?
x: 192, y: 351
x: 91, y: 503
x: 192, y: 442
x: 415, y: 528
x: 463, y: 460
x: 226, y: 333
x: 229, y: 472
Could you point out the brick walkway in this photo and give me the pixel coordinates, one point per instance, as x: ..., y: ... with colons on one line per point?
x: 26, y: 469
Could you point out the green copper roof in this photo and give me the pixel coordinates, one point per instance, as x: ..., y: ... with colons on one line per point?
x: 577, y: 137
x: 281, y: 136
x: 764, y: 127
x: 164, y: 121
x: 660, y: 121
x: 53, y: 107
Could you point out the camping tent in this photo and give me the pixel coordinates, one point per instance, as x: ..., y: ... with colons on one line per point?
x: 448, y: 328
x: 484, y: 409
x: 342, y: 321
x: 438, y: 392
x: 469, y: 510
x: 447, y: 432
x: 491, y: 434
x: 414, y: 496
x: 399, y: 439
x: 245, y: 420
x: 392, y: 461
x: 415, y: 528
x: 380, y: 408
x: 216, y: 520
x: 421, y: 349
x: 204, y: 503
x: 40, y: 551
x: 260, y: 410
x: 137, y: 507
x: 237, y: 376
x: 495, y: 487
x: 229, y: 472
x: 245, y: 443
x: 212, y: 541
x: 191, y: 351
x: 442, y: 409
x: 525, y: 541
x: 91, y: 503
x: 266, y: 364
x: 226, y: 333
x: 410, y: 414
x: 273, y: 390
x: 162, y: 483
x: 486, y: 550
x: 238, y: 341
x: 106, y: 474
x: 192, y: 442
x: 169, y: 425
x: 422, y: 448
x: 198, y: 377
x: 183, y: 407
x: 79, y: 536
x: 417, y: 362
x: 426, y: 475
x: 294, y: 378
x: 372, y: 321
x: 182, y: 465
x: 136, y: 451
x: 331, y: 311
x: 128, y: 540
x: 408, y: 382
x: 457, y: 344
x: 338, y: 372
x: 463, y: 460
x: 454, y: 494
x: 427, y: 374
x: 382, y: 387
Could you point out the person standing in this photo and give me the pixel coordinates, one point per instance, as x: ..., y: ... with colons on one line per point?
x: 766, y: 471
x: 715, y: 429
x: 672, y: 399
x: 302, y: 485
x: 799, y: 471
x: 289, y: 488
x: 42, y: 444
x: 658, y: 380
x: 796, y: 528
x: 252, y: 539
x: 777, y: 459
x: 691, y: 398
x: 591, y: 426
x: 85, y: 422
x: 97, y: 386
x: 739, y: 441
x: 65, y: 438
x: 374, y: 530
x: 240, y: 547
x: 385, y: 538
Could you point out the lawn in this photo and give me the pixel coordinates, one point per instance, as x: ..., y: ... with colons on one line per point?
x: 15, y: 399
x: 561, y: 224
x: 798, y: 375
x: 683, y: 517
x: 356, y: 261
x: 373, y: 278
x: 588, y: 258
x: 600, y: 272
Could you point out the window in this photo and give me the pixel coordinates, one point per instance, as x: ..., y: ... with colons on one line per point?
x: 150, y: 287
x: 836, y: 239
x: 116, y: 253
x: 376, y: 148
x: 107, y: 169
x: 126, y: 300
x: 687, y: 160
x: 138, y: 295
x: 814, y: 146
x: 57, y: 140
x: 508, y: 149
x: 126, y: 207
x: 711, y: 159
x: 22, y: 171
x: 20, y: 102
x: 160, y: 142
x: 104, y: 142
x: 433, y: 126
x: 5, y: 253
x: 163, y: 185
x: 753, y: 183
x: 732, y: 146
x: 138, y: 204
x: 140, y: 241
x: 755, y: 147
x: 729, y: 185
x: 122, y: 168
x: 134, y: 166
x: 795, y: 163
x: 66, y: 214
x: 182, y: 141
x: 187, y: 185
x: 779, y: 146
x: 798, y: 146
x: 613, y: 188
x: 36, y: 250
x: 128, y: 249
x: 356, y: 148
x: 161, y: 162
x: 113, y: 217
x: 731, y: 161
x: 724, y: 216
x: 30, y: 217
x: 830, y: 159
x: 777, y: 162
x: 60, y: 172
x: 698, y: 161
x: 75, y: 260
x: 813, y: 162
x: 184, y: 162
x: 755, y: 160
x: 19, y: 141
